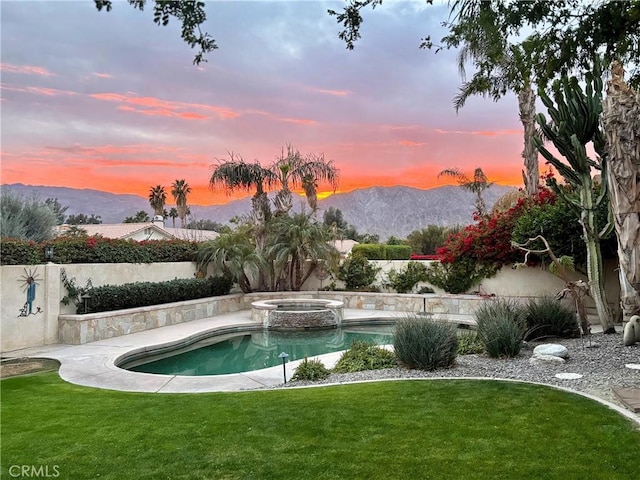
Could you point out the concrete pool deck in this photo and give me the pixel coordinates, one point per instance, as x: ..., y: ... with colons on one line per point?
x: 94, y: 364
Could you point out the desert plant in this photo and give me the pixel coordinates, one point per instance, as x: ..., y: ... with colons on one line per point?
x: 547, y: 317
x: 469, y: 342
x: 310, y: 370
x: 501, y: 327
x: 425, y: 344
x: 365, y: 356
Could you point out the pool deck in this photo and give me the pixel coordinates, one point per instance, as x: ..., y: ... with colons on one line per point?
x: 94, y: 364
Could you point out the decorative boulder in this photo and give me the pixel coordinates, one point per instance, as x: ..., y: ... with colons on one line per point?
x: 552, y: 349
x: 631, y: 333
x: 546, y: 360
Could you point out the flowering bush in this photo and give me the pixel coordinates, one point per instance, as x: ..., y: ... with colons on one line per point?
x: 479, y: 250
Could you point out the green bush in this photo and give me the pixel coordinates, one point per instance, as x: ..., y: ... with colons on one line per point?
x: 20, y: 252
x: 370, y: 251
x: 424, y: 343
x: 404, y: 280
x: 397, y: 252
x: 501, y: 327
x: 459, y: 276
x: 140, y: 294
x: 469, y: 342
x: 310, y: 370
x: 546, y: 317
x: 356, y: 272
x: 365, y: 356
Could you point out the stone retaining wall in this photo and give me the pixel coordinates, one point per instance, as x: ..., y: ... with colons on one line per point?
x: 79, y: 329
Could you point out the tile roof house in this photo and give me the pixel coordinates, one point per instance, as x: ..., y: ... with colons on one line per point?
x: 154, y: 230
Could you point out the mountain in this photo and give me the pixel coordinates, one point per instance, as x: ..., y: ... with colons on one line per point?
x: 384, y: 211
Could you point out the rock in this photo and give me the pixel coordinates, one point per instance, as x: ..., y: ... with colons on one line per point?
x: 546, y: 360
x: 552, y: 349
x: 631, y: 333
x: 568, y: 376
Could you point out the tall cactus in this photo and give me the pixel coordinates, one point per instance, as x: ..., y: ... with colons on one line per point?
x: 575, y: 123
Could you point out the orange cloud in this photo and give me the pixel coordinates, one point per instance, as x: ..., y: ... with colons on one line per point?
x: 409, y: 143
x: 26, y: 69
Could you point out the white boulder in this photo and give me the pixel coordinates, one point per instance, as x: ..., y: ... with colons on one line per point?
x: 546, y: 360
x: 631, y: 333
x: 552, y: 349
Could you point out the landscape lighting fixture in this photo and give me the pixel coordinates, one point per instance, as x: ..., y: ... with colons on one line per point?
x: 48, y: 253
x: 284, y: 357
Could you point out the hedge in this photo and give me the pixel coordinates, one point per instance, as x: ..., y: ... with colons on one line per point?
x: 140, y: 294
x: 97, y: 250
x: 397, y: 252
x: 371, y: 251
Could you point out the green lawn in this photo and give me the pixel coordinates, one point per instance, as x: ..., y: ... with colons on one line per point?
x: 450, y: 429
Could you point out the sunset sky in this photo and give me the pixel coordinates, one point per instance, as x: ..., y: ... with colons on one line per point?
x: 110, y: 101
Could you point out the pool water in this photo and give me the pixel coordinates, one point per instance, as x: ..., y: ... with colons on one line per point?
x: 248, y: 351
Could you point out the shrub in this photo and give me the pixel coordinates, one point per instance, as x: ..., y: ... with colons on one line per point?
x: 424, y: 343
x: 20, y: 252
x: 397, y: 252
x: 501, y: 327
x: 140, y: 294
x: 469, y: 342
x: 310, y: 370
x: 546, y: 317
x: 458, y: 276
x: 365, y: 356
x: 356, y: 271
x: 370, y: 251
x: 404, y: 280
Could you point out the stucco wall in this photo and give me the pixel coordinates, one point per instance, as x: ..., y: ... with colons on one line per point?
x: 41, y: 326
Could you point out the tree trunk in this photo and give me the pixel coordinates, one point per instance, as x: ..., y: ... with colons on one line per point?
x: 594, y: 256
x: 621, y: 122
x: 527, y: 106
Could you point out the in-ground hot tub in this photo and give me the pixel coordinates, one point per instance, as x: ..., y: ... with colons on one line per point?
x: 296, y: 313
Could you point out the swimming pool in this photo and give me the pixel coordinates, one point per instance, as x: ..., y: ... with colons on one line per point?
x: 254, y: 350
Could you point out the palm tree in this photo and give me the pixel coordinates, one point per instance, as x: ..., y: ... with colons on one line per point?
x: 233, y: 254
x: 294, y: 170
x: 180, y: 189
x: 500, y: 67
x: 173, y: 214
x: 477, y: 185
x: 296, y: 247
x: 157, y: 199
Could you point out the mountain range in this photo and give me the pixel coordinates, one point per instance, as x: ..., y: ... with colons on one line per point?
x: 383, y: 211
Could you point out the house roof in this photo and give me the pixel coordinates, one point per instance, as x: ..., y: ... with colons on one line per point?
x: 344, y: 246
x: 129, y: 230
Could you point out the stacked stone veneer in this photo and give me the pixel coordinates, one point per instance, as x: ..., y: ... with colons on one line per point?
x: 79, y: 329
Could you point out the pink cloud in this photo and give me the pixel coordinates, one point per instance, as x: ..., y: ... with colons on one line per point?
x: 156, y: 106
x: 102, y: 75
x: 336, y: 93
x: 51, y: 92
x: 484, y: 133
x: 26, y: 69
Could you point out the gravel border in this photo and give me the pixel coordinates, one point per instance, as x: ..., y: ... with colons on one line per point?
x: 600, y: 359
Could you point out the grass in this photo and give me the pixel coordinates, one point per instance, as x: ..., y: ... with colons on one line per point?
x: 449, y: 429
